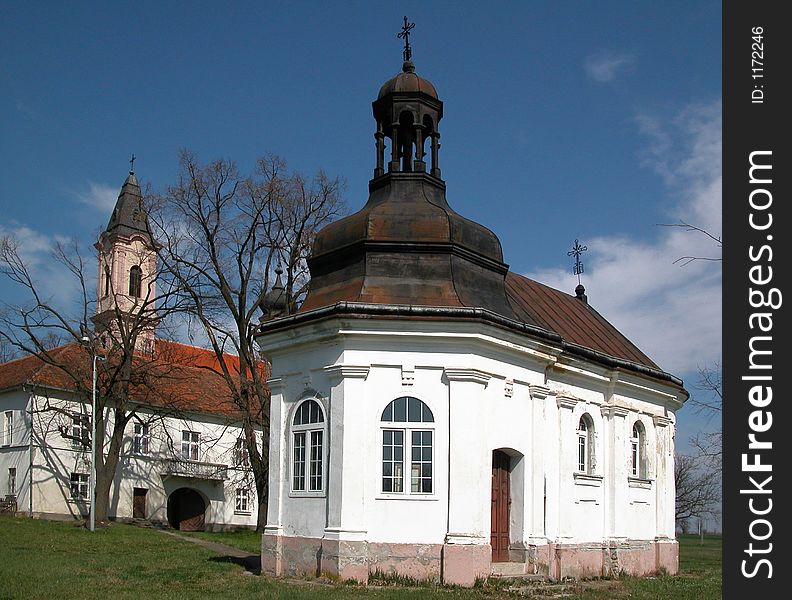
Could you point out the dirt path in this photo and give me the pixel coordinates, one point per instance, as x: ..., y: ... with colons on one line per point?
x: 251, y: 562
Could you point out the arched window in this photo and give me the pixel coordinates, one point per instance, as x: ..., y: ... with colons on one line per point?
x: 106, y: 280
x: 308, y: 448
x: 408, y: 431
x: 585, y: 435
x: 638, y: 451
x: 135, y: 281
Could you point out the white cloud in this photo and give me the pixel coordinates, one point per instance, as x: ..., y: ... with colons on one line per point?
x: 672, y: 313
x: 606, y: 66
x: 53, y: 281
x: 100, y: 196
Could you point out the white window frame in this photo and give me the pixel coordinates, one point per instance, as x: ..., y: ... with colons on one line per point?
x: 191, y: 442
x: 585, y: 445
x: 82, y: 481
x: 242, y: 501
x: 141, y: 440
x: 8, y: 428
x: 638, y: 451
x: 241, y: 457
x: 80, y: 430
x: 407, y: 429
x: 311, y: 454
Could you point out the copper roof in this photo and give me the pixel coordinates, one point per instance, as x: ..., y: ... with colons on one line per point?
x: 407, y: 81
x: 571, y: 318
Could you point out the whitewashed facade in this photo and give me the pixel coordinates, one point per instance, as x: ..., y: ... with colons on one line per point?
x: 48, y: 475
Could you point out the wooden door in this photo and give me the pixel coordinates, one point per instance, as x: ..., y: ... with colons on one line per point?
x: 499, y: 537
x: 139, y: 503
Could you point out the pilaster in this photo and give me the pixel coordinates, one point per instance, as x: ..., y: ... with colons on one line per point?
x: 566, y: 460
x: 346, y: 486
x: 615, y: 469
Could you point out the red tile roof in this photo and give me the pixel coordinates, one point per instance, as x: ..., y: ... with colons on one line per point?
x: 187, y: 377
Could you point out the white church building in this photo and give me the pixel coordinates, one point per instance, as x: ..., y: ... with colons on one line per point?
x: 183, y: 460
x: 437, y: 416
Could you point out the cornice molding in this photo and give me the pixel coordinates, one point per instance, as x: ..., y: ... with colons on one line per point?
x: 661, y: 421
x: 343, y: 371
x: 539, y: 392
x: 566, y: 401
x: 467, y: 374
x: 614, y: 411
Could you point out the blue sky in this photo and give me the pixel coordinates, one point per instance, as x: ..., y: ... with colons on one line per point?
x: 562, y: 120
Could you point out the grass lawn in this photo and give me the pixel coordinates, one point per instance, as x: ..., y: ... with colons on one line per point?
x: 244, y: 539
x: 41, y: 559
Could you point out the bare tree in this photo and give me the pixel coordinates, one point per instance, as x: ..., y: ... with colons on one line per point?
x: 709, y: 403
x: 698, y: 489
x: 223, y: 238
x: 61, y: 338
x: 686, y: 260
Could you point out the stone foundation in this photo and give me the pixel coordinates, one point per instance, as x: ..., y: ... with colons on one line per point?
x: 461, y: 564
x: 611, y: 559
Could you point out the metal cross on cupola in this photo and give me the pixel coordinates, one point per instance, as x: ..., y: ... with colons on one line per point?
x: 405, y: 34
x: 577, y: 251
x: 132, y: 163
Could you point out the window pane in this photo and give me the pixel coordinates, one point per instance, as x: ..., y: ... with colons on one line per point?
x: 298, y: 467
x: 426, y: 414
x: 400, y: 410
x: 392, y: 452
x: 421, y: 466
x: 315, y: 483
x: 414, y: 410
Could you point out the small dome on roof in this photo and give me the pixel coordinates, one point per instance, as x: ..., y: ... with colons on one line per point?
x: 407, y: 81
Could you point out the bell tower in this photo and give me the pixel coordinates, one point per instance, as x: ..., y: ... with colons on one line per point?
x: 407, y: 111
x: 407, y: 246
x: 126, y: 289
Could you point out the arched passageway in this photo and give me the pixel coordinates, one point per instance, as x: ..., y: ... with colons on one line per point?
x: 186, y: 510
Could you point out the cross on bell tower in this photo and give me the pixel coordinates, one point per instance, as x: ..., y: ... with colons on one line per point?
x: 405, y: 34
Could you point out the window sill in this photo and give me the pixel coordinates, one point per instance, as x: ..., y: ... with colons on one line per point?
x: 586, y: 479
x: 409, y: 497
x: 307, y: 494
x: 638, y: 482
x: 244, y: 513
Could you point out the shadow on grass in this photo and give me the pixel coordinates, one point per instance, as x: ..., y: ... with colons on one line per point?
x: 250, y: 563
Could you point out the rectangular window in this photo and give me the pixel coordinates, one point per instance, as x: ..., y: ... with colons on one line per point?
x: 421, y: 465
x: 242, y: 503
x: 240, y: 453
x: 315, y: 480
x: 582, y: 453
x: 634, y: 458
x: 298, y: 471
x: 140, y: 443
x: 191, y: 442
x: 12, y: 482
x: 393, y: 460
x: 79, y: 486
x: 81, y: 431
x: 8, y: 428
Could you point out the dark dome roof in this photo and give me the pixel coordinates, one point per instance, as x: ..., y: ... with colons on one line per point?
x: 407, y: 81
